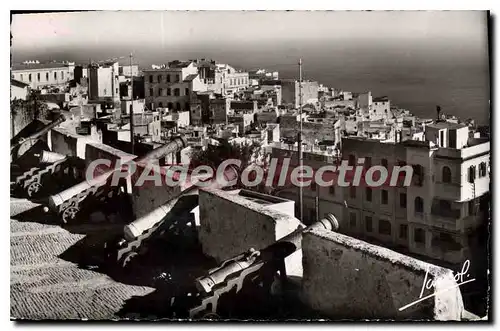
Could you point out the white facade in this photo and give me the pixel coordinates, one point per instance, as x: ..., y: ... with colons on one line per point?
x: 37, y: 75
x: 437, y: 215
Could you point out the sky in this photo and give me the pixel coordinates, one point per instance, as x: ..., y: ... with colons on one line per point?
x: 137, y: 31
x: 418, y: 58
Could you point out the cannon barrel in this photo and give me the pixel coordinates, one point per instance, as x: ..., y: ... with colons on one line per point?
x: 136, y: 228
x: 46, y: 157
x: 278, y: 250
x: 57, y: 199
x: 173, y: 146
x: 48, y: 127
x: 21, y: 147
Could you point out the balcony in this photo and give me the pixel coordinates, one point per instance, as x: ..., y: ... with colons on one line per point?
x: 445, y: 219
x: 448, y: 191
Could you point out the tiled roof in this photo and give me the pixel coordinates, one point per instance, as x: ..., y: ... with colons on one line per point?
x: 34, y: 66
x: 380, y: 99
x: 446, y: 125
x: 190, y: 77
x: 179, y: 64
x: 18, y: 83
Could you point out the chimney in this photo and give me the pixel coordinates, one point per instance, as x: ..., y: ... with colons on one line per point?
x: 438, y: 111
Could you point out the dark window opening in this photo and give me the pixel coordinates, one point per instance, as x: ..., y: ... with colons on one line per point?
x: 368, y: 194
x: 402, y: 200
x: 419, y: 205
x: 352, y: 220
x: 385, y: 197
x: 369, y: 223
x: 472, y: 174
x: 446, y: 174
x: 384, y: 227
x: 403, y: 231
x: 419, y: 236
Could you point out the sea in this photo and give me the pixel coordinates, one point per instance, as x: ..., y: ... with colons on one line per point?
x: 414, y: 77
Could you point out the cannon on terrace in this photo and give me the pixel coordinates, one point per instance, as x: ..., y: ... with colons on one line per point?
x: 24, y: 145
x: 164, y: 218
x: 252, y: 268
x: 70, y: 202
x: 54, y: 170
x: 50, y: 167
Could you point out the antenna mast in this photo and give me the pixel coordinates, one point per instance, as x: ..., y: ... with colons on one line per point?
x: 299, y: 140
x: 131, y: 107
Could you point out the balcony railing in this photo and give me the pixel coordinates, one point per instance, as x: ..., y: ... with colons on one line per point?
x: 452, y: 214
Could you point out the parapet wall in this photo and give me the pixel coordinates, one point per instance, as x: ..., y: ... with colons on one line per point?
x: 346, y: 278
x: 94, y: 151
x: 68, y: 143
x: 230, y: 225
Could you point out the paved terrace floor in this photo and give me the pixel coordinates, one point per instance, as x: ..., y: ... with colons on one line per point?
x: 45, y: 282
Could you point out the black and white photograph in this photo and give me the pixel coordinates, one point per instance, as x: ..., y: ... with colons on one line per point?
x: 251, y: 165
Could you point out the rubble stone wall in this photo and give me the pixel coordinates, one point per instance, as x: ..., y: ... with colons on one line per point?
x: 346, y: 278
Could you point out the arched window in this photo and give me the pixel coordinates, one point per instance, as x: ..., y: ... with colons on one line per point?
x: 446, y: 174
x: 55, y: 75
x: 29, y: 77
x: 38, y: 76
x: 47, y: 76
x: 170, y: 106
x: 21, y: 77
x: 178, y: 106
x: 419, y: 205
x: 168, y: 78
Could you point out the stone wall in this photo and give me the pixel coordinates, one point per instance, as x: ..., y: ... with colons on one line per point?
x: 345, y: 278
x: 94, y: 151
x: 231, y: 224
x: 68, y: 143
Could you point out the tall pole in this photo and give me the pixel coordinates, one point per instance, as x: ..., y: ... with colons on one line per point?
x: 299, y: 140
x: 131, y: 107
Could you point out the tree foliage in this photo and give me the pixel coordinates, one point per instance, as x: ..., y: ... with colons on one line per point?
x: 247, y: 153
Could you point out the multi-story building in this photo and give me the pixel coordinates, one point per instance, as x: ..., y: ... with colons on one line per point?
x: 104, y: 85
x: 290, y: 92
x: 207, y: 108
x: 129, y: 70
x: 438, y: 214
x: 315, y: 127
x: 172, y: 86
x: 37, y: 75
x: 233, y: 80
x: 317, y: 200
